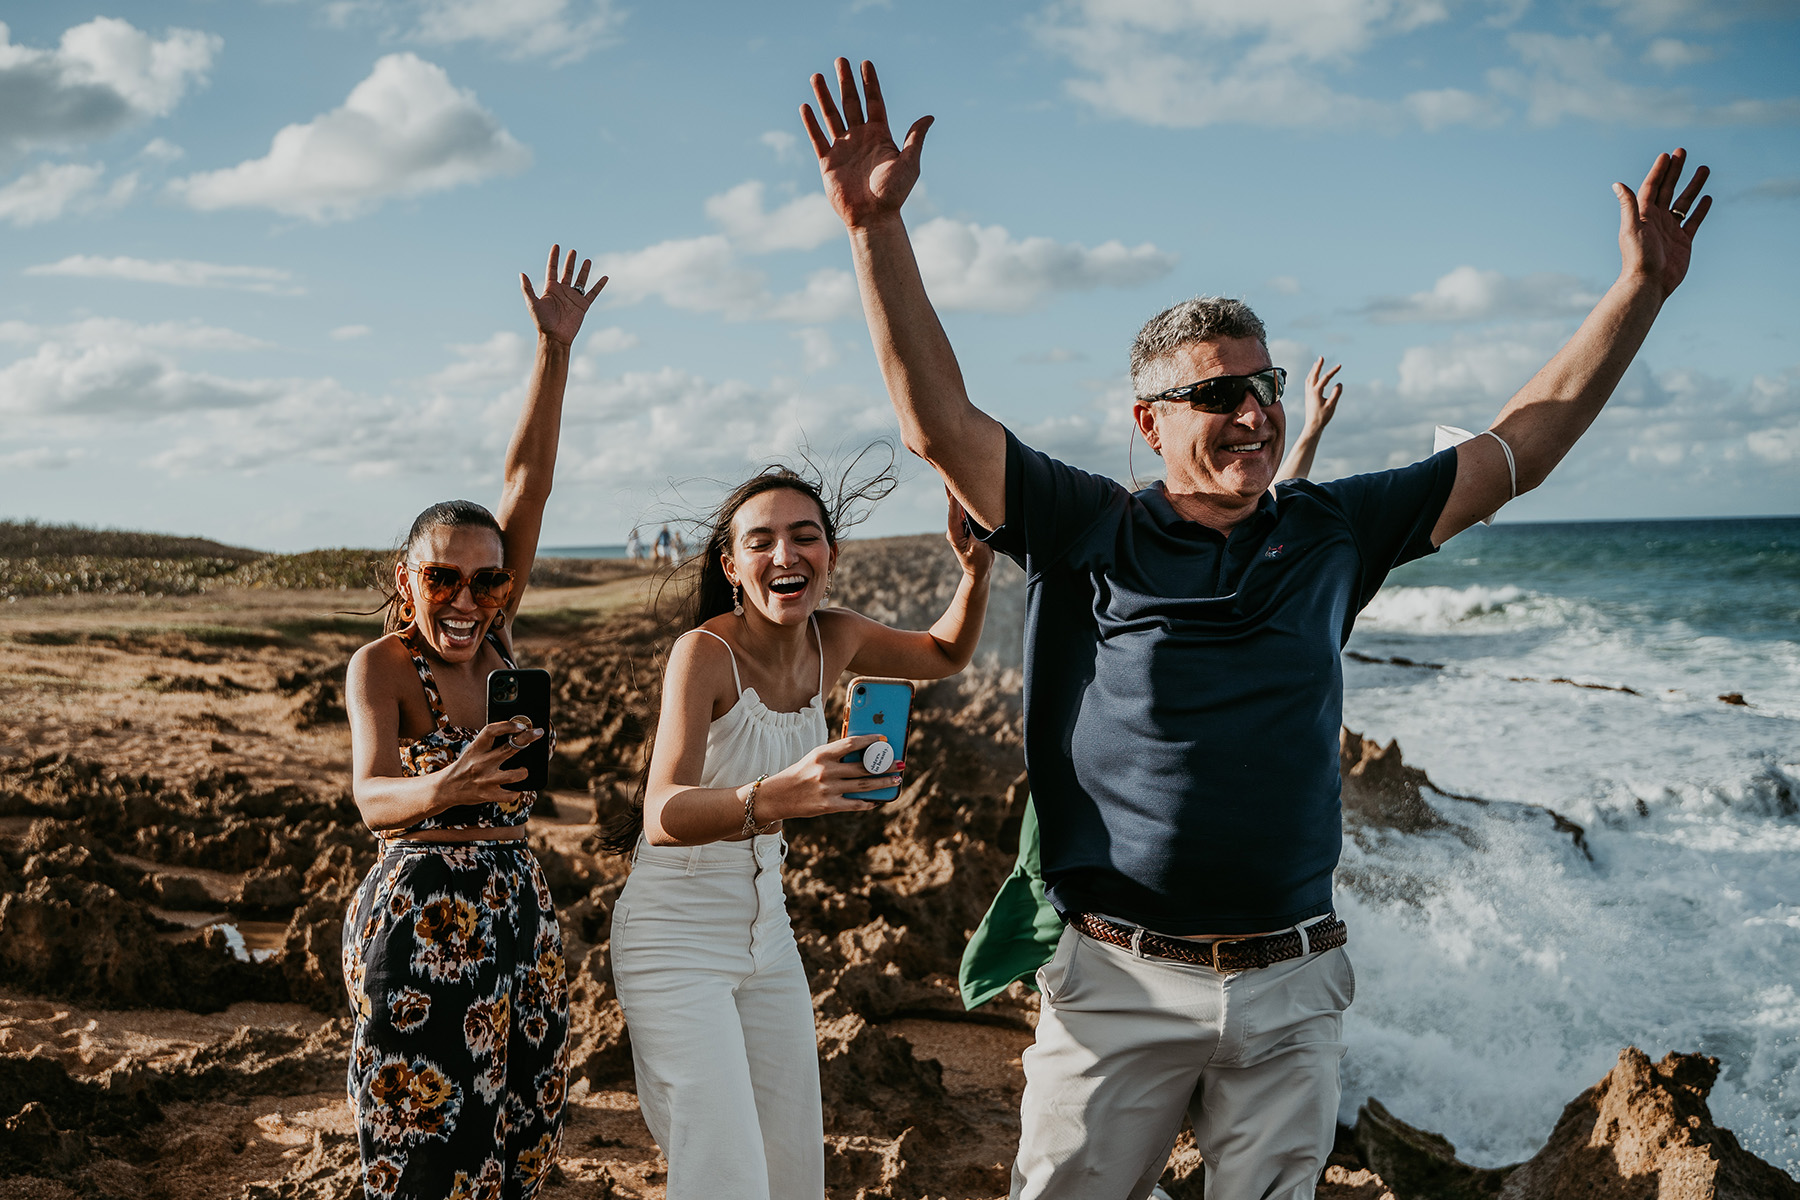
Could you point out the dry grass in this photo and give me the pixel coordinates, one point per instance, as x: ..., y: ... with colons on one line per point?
x: 72, y: 560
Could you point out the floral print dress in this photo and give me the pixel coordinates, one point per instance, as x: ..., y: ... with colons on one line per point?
x: 453, y: 961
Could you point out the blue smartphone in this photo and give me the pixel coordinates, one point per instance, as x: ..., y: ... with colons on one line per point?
x: 881, y: 706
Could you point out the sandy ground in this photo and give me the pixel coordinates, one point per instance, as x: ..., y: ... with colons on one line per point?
x: 183, y: 687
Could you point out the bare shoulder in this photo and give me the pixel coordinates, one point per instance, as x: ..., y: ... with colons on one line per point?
x: 700, y: 662
x: 843, y: 632
x: 382, y: 662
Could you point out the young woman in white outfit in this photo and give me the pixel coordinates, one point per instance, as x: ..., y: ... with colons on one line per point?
x: 703, y: 957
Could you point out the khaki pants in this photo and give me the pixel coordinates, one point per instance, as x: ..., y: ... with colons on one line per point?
x: 1125, y: 1045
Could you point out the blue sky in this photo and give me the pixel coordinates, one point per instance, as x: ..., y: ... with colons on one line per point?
x: 261, y: 257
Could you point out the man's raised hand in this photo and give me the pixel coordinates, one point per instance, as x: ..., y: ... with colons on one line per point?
x: 558, y: 312
x: 1656, y: 233
x: 867, y: 177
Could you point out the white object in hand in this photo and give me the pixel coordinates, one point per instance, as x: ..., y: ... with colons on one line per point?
x: 877, y: 757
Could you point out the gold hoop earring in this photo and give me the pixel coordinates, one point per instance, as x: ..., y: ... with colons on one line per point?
x: 737, y: 601
x: 406, y: 612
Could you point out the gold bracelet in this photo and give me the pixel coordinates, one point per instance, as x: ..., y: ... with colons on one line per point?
x: 750, y: 827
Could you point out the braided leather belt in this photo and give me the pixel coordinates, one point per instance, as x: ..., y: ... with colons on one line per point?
x: 1224, y: 955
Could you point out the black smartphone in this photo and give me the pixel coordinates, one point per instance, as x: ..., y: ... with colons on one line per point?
x: 523, y: 693
x: 878, y: 706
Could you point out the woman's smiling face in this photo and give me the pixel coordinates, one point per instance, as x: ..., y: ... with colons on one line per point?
x: 779, y: 554
x: 455, y: 628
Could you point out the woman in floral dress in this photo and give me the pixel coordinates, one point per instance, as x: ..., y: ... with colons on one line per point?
x: 452, y: 957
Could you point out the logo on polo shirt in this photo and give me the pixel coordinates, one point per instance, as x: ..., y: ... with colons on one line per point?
x: 1274, y: 551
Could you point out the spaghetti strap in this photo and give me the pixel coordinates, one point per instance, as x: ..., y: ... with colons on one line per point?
x: 500, y: 649
x: 820, y: 638
x: 408, y: 638
x: 736, y: 682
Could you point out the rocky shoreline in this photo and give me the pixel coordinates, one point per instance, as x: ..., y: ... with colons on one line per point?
x: 172, y: 1017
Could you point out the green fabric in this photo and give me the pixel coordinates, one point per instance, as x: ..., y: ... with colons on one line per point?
x: 1019, y: 933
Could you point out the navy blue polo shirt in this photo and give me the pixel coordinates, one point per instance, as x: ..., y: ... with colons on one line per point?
x: 1183, y: 689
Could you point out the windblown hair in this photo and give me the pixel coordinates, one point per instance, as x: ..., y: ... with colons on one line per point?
x: 1202, y: 319
x: 443, y: 513
x: 842, y: 504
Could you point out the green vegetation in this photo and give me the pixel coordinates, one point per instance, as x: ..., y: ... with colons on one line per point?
x: 67, y: 560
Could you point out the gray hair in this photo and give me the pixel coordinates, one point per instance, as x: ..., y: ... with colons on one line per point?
x: 1202, y: 319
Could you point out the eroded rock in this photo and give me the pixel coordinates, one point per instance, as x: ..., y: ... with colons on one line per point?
x: 1645, y: 1131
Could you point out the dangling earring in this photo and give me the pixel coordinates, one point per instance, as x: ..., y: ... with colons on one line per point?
x: 828, y: 588
x: 406, y: 612
x: 737, y: 601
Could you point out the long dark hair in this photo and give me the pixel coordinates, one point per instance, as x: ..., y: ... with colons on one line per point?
x: 443, y: 513
x: 709, y: 594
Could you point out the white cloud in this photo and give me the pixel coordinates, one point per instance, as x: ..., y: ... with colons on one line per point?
x: 350, y: 333
x: 1468, y: 294
x: 965, y: 266
x: 47, y: 191
x: 785, y: 145
x: 161, y: 150
x: 817, y: 350
x: 803, y: 223
x: 102, y: 331
x: 984, y: 268
x: 403, y: 131
x: 1192, y: 63
x: 72, y: 380
x: 104, y: 366
x: 1439, y: 109
x: 1673, y: 52
x: 1569, y: 77
x: 103, y: 76
x: 175, y: 272
x: 1650, y: 16
x: 39, y: 458
x: 610, y: 340
x: 701, y: 274
x: 563, y: 31
x: 1285, y: 285
x: 1776, y: 189
x: 1195, y: 63
x: 1486, y: 367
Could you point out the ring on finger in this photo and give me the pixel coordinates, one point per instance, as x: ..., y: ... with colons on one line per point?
x: 1678, y: 214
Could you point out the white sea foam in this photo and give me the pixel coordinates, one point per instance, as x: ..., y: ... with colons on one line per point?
x: 1499, y: 981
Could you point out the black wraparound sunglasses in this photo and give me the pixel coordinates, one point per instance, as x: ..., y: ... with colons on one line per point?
x: 1223, y: 393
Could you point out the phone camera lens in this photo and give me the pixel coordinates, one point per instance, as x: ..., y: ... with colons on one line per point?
x: 862, y: 691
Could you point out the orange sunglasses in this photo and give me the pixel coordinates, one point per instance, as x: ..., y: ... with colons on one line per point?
x: 489, y: 587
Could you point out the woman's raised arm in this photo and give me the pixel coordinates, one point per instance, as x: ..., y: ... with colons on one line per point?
x: 949, y: 644
x: 531, y: 456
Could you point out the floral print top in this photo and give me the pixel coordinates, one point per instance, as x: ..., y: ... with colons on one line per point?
x: 445, y: 744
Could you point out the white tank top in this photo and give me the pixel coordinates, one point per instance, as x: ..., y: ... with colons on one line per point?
x: 752, y: 739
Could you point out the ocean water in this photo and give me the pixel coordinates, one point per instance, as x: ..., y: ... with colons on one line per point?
x: 1500, y: 970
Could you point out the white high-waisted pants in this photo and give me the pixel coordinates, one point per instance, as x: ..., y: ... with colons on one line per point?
x: 721, y: 1021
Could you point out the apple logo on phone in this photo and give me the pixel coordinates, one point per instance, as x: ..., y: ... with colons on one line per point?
x: 879, y: 718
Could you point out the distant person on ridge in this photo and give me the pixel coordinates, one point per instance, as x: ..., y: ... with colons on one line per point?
x: 452, y: 956
x: 703, y: 955
x: 1184, y: 687
x: 634, y: 547
x: 664, y: 556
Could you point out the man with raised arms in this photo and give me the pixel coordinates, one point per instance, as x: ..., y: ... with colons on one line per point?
x: 1183, y: 684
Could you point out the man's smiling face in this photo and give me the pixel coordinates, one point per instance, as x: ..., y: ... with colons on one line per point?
x: 1233, y: 456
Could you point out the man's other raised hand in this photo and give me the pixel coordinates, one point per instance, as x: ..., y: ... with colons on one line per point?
x: 1656, y: 232
x: 867, y: 176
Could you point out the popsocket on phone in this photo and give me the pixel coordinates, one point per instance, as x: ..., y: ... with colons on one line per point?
x: 877, y: 757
